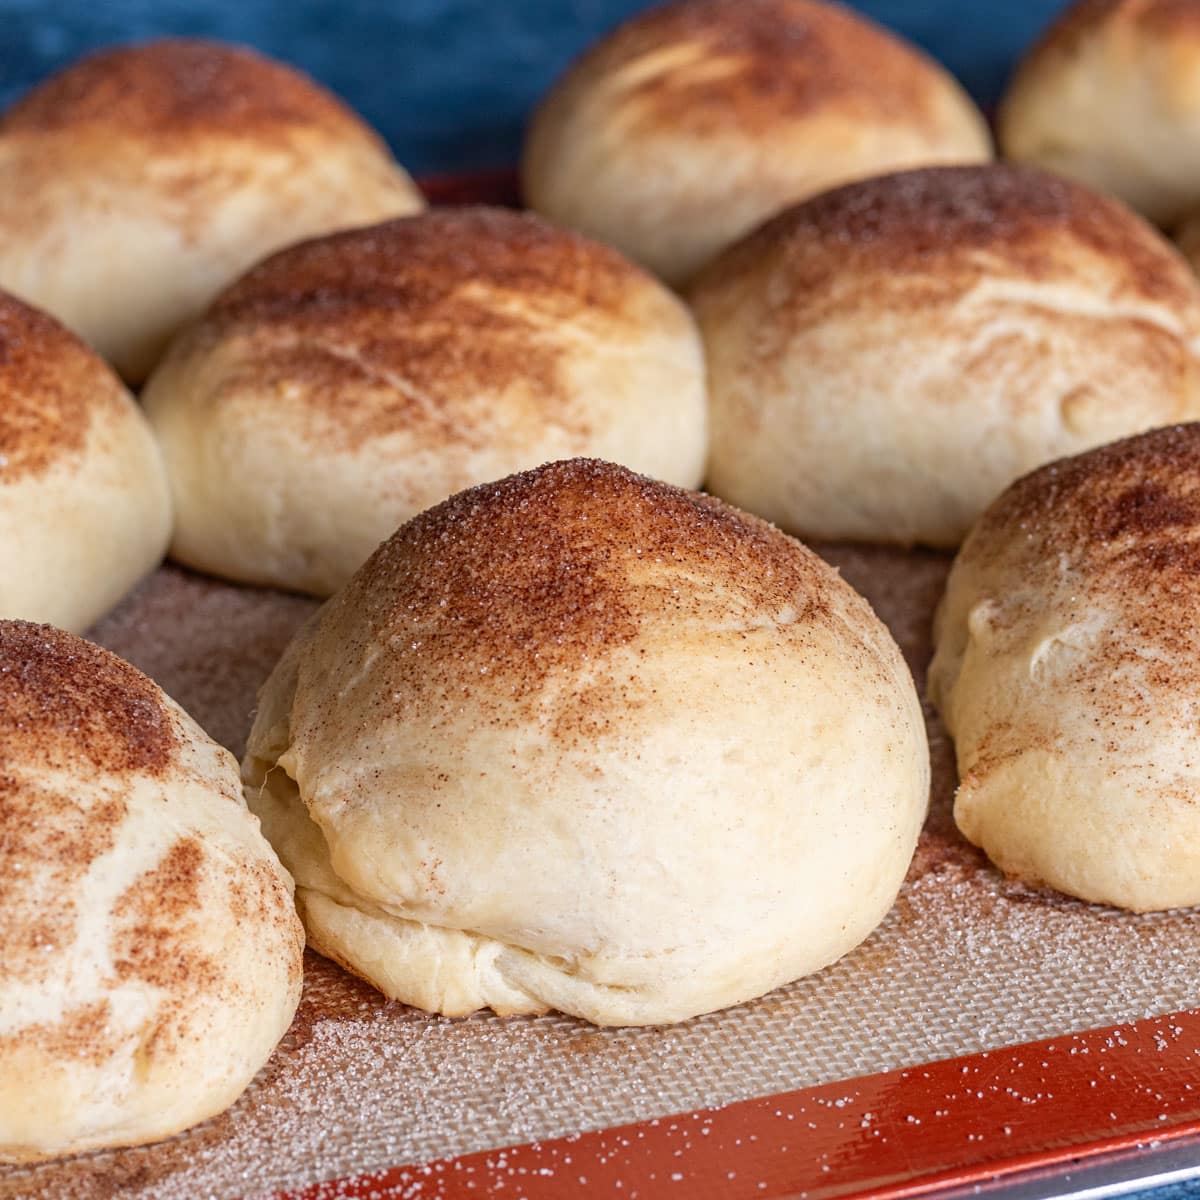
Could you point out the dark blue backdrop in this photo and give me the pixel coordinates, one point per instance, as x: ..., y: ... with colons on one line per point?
x: 450, y: 81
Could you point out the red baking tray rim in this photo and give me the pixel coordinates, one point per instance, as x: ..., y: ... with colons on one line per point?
x: 957, y: 1122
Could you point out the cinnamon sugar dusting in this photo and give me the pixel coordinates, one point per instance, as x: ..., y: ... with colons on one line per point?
x: 755, y: 62
x: 1122, y: 523
x: 1085, y: 17
x: 63, y: 699
x: 970, y: 219
x: 1075, y: 22
x: 949, y: 973
x: 182, y: 87
x: 1126, y: 516
x: 155, y: 941
x: 80, y: 1033
x: 1134, y: 489
x: 419, y: 262
x: 47, y: 840
x: 150, y: 913
x: 561, y: 565
x: 411, y: 322
x: 51, y: 389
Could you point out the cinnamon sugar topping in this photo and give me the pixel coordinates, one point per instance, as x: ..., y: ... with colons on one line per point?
x: 970, y: 218
x: 179, y: 87
x: 64, y: 699
x: 944, y: 976
x: 412, y: 322
x: 1084, y: 17
x: 755, y: 62
x: 51, y: 389
x: 561, y: 565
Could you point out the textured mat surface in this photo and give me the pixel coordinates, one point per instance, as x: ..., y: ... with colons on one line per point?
x: 964, y: 962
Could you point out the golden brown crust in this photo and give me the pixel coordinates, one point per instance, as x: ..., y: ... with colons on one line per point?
x: 1085, y: 17
x: 1135, y: 497
x: 414, y: 266
x: 784, y: 59
x: 1072, y: 24
x: 553, y: 569
x: 180, y: 87
x: 913, y: 222
x: 1123, y: 524
x: 434, y: 309
x: 51, y: 389
x: 66, y: 701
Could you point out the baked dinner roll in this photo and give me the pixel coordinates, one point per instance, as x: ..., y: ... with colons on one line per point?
x: 1067, y: 670
x: 151, y: 952
x: 693, y: 122
x: 84, y: 508
x: 579, y: 740
x: 886, y: 357
x: 139, y: 181
x: 1110, y: 95
x: 348, y: 383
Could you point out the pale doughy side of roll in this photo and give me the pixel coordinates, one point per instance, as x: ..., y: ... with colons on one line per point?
x: 1066, y: 671
x: 581, y: 741
x: 348, y: 383
x: 694, y: 122
x: 139, y: 182
x: 1109, y: 96
x: 885, y: 358
x: 84, y: 507
x: 152, y: 956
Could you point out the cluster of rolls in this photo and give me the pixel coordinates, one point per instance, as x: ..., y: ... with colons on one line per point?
x: 569, y: 734
x: 897, y: 331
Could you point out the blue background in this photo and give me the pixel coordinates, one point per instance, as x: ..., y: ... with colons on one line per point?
x: 449, y: 82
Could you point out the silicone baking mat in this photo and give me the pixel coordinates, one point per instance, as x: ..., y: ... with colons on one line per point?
x: 965, y: 963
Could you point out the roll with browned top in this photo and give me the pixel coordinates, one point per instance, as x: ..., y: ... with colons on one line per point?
x: 84, y: 506
x: 1110, y: 95
x: 138, y: 182
x: 695, y: 121
x: 884, y: 358
x: 1067, y: 669
x: 349, y: 382
x: 579, y: 740
x: 151, y: 952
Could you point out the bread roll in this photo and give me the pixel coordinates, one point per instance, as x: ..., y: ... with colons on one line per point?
x: 695, y: 121
x: 84, y: 508
x: 1110, y: 95
x: 138, y: 182
x: 885, y: 358
x: 348, y: 383
x: 151, y: 952
x: 579, y: 740
x: 1067, y: 669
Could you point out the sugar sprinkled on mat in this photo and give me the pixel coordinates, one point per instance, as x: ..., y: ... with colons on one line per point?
x: 964, y: 962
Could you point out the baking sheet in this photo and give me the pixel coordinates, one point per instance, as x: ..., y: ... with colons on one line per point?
x: 965, y: 962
